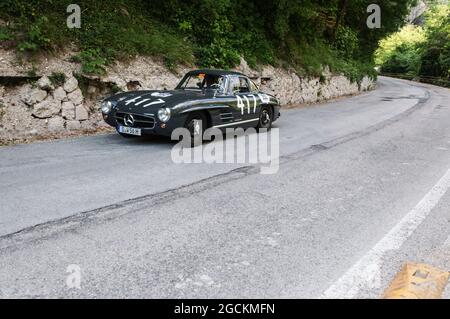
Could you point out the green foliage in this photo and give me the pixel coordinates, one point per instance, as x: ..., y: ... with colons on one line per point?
x: 355, y: 70
x: 419, y: 51
x: 115, y: 89
x: 5, y: 34
x: 93, y: 61
x: 219, y: 52
x: 32, y: 72
x: 346, y: 41
x: 405, y: 59
x: 296, y: 33
x: 110, y: 30
x: 303, y: 34
x: 401, y: 52
x: 36, y: 37
x: 57, y: 78
x: 408, y: 38
x: 436, y: 51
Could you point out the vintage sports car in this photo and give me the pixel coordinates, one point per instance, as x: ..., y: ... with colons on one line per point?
x: 213, y: 98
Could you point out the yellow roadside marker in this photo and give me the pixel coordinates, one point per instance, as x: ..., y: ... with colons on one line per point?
x: 417, y: 281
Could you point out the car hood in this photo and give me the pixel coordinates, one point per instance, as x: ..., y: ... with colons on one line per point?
x: 151, y: 101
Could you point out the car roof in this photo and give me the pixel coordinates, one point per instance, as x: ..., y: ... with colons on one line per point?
x: 214, y: 72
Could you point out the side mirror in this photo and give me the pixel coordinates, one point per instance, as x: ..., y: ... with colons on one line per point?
x: 199, y: 85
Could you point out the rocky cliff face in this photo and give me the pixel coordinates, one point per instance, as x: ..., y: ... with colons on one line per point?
x: 36, y: 105
x: 291, y: 89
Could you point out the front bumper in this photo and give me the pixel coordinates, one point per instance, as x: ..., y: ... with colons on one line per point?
x: 158, y: 128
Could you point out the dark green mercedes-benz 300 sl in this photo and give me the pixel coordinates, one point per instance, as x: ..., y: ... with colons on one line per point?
x: 213, y: 98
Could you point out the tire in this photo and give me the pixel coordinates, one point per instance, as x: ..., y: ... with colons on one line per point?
x: 265, y: 118
x: 196, y: 135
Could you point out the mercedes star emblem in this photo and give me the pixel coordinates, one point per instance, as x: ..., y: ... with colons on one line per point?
x: 128, y: 120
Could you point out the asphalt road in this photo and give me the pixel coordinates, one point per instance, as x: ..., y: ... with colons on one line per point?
x: 361, y: 188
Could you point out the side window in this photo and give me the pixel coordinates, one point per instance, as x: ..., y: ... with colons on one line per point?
x: 234, y: 84
x: 244, y: 86
x: 253, y: 87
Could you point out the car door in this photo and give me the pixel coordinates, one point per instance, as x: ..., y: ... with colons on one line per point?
x: 243, y: 103
x: 233, y: 113
x: 226, y: 115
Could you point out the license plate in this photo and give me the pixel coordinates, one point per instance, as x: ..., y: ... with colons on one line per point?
x: 130, y: 130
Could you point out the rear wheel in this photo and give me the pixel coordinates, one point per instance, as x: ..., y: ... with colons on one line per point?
x: 265, y: 118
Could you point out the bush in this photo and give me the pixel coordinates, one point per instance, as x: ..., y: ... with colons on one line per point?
x: 57, y: 78
x: 419, y: 51
x: 436, y: 52
x: 5, y: 34
x: 93, y: 61
x: 409, y: 38
x: 35, y: 37
x: 212, y: 33
x: 346, y: 42
x: 405, y: 59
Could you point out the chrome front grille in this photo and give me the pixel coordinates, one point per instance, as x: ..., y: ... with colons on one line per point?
x: 140, y: 121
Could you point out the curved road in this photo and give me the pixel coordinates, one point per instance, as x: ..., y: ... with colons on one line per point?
x: 362, y: 187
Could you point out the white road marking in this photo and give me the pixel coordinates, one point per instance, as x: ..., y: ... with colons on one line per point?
x: 367, y: 270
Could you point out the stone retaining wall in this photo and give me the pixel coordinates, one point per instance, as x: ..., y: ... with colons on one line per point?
x: 41, y: 107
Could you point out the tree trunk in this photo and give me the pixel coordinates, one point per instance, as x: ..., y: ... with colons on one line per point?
x: 339, y: 16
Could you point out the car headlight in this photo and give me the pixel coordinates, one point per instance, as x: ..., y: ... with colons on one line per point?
x: 106, y: 107
x: 164, y: 114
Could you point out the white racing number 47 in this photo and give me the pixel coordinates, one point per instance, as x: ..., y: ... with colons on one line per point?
x: 241, y: 105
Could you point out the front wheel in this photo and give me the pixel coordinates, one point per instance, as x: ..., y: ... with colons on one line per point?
x: 265, y: 118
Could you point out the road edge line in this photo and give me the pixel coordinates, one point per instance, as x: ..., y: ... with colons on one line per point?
x: 367, y: 269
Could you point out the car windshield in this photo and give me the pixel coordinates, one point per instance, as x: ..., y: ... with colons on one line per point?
x: 201, y: 81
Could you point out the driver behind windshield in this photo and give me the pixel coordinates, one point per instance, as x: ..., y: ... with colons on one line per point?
x: 201, y: 81
x: 211, y: 81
